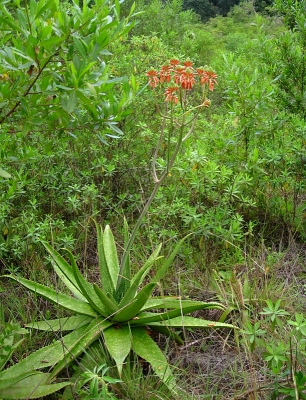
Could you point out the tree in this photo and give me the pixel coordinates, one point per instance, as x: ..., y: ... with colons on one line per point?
x: 53, y: 69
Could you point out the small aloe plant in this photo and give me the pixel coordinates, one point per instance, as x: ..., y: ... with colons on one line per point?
x: 119, y: 308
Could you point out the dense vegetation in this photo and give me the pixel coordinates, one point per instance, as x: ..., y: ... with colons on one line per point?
x: 212, y: 176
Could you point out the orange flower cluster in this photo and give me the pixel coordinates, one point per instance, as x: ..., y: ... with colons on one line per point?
x: 183, y: 76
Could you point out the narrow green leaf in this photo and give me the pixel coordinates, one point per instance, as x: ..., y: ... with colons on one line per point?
x: 132, y: 309
x: 64, y: 271
x: 118, y: 341
x: 15, y: 379
x: 145, y: 347
x: 88, y: 290
x: 64, y: 301
x: 126, y: 270
x: 61, y: 324
x: 191, y: 322
x: 147, y: 318
x: 92, y: 333
x: 42, y: 7
x: 69, y: 103
x: 106, y: 281
x: 139, y: 277
x: 164, y: 268
x: 109, y: 304
x: 11, y: 24
x: 172, y: 302
x: 32, y: 387
x: 44, y: 357
x: 110, y: 252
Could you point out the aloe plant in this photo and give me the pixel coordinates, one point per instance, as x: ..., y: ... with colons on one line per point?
x: 119, y: 308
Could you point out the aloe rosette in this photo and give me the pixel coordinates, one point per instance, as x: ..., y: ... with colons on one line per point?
x: 120, y: 309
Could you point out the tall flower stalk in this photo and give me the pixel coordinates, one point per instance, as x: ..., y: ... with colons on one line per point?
x: 181, y: 85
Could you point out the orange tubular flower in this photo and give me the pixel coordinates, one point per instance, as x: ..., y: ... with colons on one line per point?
x: 153, y: 78
x: 178, y: 72
x: 174, y: 62
x: 208, y: 77
x: 188, y: 64
x: 170, y: 96
x: 187, y: 79
x: 164, y: 75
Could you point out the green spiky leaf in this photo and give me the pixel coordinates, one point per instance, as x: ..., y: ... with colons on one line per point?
x: 139, y: 277
x: 133, y: 308
x: 191, y: 322
x: 106, y: 280
x: 111, y: 257
x: 118, y: 341
x: 61, y: 324
x: 34, y: 386
x: 145, y: 347
x: 64, y: 301
x: 64, y: 272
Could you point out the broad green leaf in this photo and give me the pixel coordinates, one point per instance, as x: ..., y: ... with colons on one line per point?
x: 64, y: 272
x: 32, y: 387
x: 147, y: 318
x: 133, y: 308
x: 4, y: 174
x: 191, y: 322
x: 106, y: 281
x: 13, y: 380
x: 64, y: 301
x: 44, y: 357
x: 88, y: 290
x: 42, y: 7
x: 118, y: 341
x: 126, y: 270
x: 139, y: 277
x: 92, y: 333
x: 10, y: 23
x: 69, y: 103
x: 108, y: 304
x: 110, y: 252
x: 164, y: 268
x: 145, y: 347
x: 61, y: 324
x: 172, y: 302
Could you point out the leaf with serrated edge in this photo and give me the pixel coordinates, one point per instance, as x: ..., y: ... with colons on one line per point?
x: 191, y: 322
x: 45, y: 357
x: 32, y: 387
x: 118, y: 343
x: 92, y: 333
x: 110, y: 252
x: 133, y: 308
x: 171, y: 302
x: 126, y: 272
x: 64, y: 301
x: 109, y: 304
x: 138, y: 278
x: 88, y: 290
x: 63, y: 324
x: 106, y: 281
x: 64, y: 271
x: 145, y: 347
x: 168, y: 315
